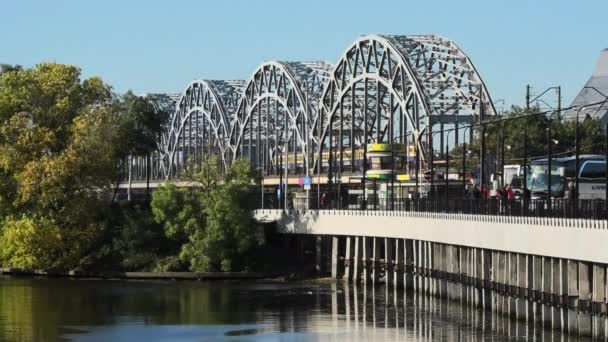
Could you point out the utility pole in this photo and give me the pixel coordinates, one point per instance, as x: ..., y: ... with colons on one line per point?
x: 559, y: 100
x: 482, y: 169
x: 527, y: 98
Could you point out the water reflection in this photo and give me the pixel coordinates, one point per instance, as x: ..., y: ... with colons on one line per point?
x: 91, y: 310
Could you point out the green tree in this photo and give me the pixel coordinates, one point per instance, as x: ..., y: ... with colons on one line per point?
x: 535, y: 127
x: 140, y: 126
x: 215, y: 217
x: 57, y: 158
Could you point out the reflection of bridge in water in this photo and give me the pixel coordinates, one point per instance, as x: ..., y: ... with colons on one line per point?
x: 397, y: 315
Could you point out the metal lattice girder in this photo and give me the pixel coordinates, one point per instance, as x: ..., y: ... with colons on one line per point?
x: 200, y: 124
x: 386, y: 87
x: 383, y: 89
x: 276, y: 111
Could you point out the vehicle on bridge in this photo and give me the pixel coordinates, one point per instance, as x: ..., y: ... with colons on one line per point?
x: 592, y: 177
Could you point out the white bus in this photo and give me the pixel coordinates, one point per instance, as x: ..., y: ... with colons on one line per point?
x: 592, y: 177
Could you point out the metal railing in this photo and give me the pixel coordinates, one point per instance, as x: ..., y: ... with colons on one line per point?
x: 559, y: 208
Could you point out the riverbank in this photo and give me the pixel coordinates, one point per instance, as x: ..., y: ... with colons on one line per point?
x: 136, y: 275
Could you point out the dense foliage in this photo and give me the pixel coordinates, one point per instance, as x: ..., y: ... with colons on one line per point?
x: 57, y: 157
x: 534, y: 126
x: 63, y: 144
x: 215, y: 217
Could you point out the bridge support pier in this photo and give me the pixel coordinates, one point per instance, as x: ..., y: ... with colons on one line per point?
x: 555, y: 293
x: 584, y: 293
x: 399, y: 270
x: 367, y: 254
x: 389, y: 261
x: 348, y: 260
x: 334, y: 257
x: 357, y: 260
x: 375, y: 269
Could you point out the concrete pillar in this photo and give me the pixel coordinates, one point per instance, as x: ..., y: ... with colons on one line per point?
x: 434, y: 266
x: 537, y: 287
x: 357, y: 259
x: 375, y: 260
x: 389, y: 261
x: 445, y: 269
x: 409, y: 263
x: 598, y: 301
x: 417, y: 269
x: 547, y: 290
x: 334, y: 257
x: 563, y: 292
x: 584, y: 294
x: 449, y: 271
x: 367, y: 254
x: 422, y: 280
x: 522, y: 285
x: 556, y: 294
x: 512, y: 279
x: 319, y: 255
x: 572, y: 301
x: 455, y: 284
x: 486, y: 282
x: 464, y: 273
x: 348, y: 266
x: 494, y: 272
x: 429, y: 266
x: 477, y: 277
x: 398, y: 280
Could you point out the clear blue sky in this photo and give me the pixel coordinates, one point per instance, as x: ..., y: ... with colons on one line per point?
x: 159, y: 46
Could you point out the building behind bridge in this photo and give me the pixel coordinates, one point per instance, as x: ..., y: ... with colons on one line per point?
x: 595, y: 90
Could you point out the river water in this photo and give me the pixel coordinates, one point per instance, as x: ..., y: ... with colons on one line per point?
x: 103, y: 310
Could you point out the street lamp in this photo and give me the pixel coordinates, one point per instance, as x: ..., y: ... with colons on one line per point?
x: 549, y: 161
x: 447, y: 166
x: 576, y: 148
x: 464, y: 157
x: 432, y: 161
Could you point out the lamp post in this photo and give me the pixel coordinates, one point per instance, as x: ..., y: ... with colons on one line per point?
x: 502, y: 154
x: 281, y: 194
x: 576, y: 148
x: 417, y: 144
x: 464, y: 157
x: 447, y: 166
x: 549, y: 160
x: 432, y: 161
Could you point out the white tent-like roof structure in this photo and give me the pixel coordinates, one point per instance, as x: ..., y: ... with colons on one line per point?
x: 595, y: 90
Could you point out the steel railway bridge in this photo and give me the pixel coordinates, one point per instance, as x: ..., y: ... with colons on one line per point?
x: 360, y: 119
x: 315, y: 119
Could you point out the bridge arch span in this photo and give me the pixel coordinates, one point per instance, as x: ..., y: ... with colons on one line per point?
x: 395, y: 89
x: 199, y: 126
x: 275, y: 113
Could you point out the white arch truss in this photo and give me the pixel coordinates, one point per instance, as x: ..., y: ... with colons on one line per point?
x: 383, y: 89
x: 200, y: 124
x: 275, y: 113
x: 393, y: 89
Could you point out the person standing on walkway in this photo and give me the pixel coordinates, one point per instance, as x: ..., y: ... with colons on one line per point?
x: 570, y: 196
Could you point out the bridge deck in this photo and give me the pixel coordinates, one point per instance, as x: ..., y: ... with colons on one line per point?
x: 574, y: 239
